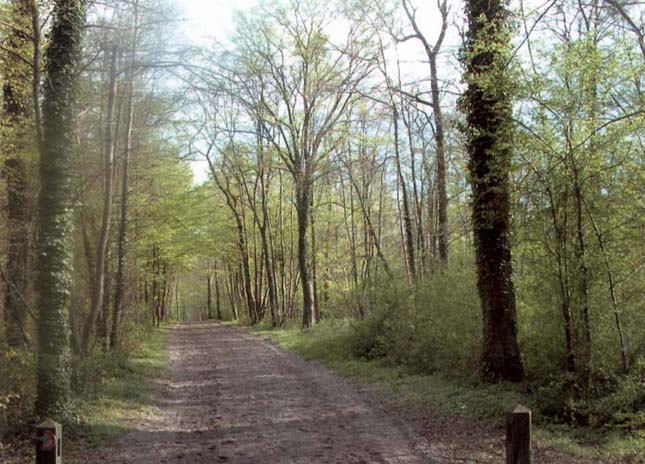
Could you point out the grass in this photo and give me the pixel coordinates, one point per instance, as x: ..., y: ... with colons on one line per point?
x: 118, y: 390
x: 330, y: 344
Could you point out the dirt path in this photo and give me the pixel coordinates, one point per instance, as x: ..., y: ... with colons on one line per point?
x: 237, y: 398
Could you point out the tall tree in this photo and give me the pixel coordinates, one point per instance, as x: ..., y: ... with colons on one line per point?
x: 307, y: 85
x: 17, y: 129
x: 432, y: 52
x: 489, y: 132
x: 119, y: 286
x: 55, y: 207
x: 100, y: 274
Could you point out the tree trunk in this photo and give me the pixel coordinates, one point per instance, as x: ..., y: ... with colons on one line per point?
x: 489, y: 139
x: 119, y: 284
x: 104, y: 315
x: 218, y: 298
x: 101, y: 252
x: 418, y: 208
x: 231, y: 293
x: 432, y: 51
x: 209, y: 296
x: 624, y: 348
x: 266, y: 241
x: 315, y: 308
x: 583, y: 289
x: 406, y: 217
x: 177, y: 299
x: 565, y: 299
x: 54, y: 266
x: 303, y: 203
x: 442, y: 203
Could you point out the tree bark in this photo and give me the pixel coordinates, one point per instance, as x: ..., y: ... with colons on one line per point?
x: 303, y: 203
x: 209, y: 296
x: 489, y: 139
x: 406, y: 217
x: 55, y: 208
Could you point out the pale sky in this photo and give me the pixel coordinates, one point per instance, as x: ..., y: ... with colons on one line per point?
x: 207, y: 21
x: 211, y: 19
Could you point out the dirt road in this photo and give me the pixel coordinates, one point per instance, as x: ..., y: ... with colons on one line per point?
x: 234, y: 397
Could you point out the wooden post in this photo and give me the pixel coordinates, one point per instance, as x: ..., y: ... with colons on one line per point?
x: 49, y: 443
x: 518, y: 436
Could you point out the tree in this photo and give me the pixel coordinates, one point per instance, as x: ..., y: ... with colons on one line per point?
x: 100, y: 274
x: 432, y: 52
x: 18, y: 124
x: 489, y: 132
x: 577, y: 122
x: 315, y: 93
x: 297, y: 82
x: 55, y: 207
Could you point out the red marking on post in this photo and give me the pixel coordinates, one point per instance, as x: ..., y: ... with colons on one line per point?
x: 49, y: 441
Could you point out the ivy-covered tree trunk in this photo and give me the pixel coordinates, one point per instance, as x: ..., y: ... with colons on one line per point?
x: 55, y: 208
x: 17, y: 132
x: 488, y: 111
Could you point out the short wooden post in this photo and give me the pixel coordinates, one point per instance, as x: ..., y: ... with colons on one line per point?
x: 49, y: 443
x: 518, y: 436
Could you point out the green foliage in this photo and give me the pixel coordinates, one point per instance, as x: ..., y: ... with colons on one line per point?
x: 618, y: 401
x: 432, y: 327
x: 444, y: 393
x: 17, y: 390
x: 113, y: 389
x: 330, y: 340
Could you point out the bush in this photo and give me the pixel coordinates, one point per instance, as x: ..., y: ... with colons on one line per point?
x: 17, y: 391
x: 624, y: 405
x: 434, y: 326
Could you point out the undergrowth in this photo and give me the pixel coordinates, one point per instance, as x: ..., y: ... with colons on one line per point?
x: 116, y: 389
x: 358, y: 349
x: 109, y: 390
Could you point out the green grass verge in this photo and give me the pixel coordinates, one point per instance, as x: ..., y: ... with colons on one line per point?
x: 329, y: 343
x: 118, y: 389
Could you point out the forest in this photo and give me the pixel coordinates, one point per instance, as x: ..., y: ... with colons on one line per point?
x: 451, y: 187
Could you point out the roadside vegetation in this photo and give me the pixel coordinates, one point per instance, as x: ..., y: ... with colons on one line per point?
x: 339, y: 344
x: 116, y: 391
x: 111, y: 392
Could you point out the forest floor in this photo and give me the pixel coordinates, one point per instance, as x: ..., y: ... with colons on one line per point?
x: 231, y: 396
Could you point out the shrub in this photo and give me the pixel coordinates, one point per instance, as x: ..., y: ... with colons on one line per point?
x: 17, y: 391
x: 433, y: 326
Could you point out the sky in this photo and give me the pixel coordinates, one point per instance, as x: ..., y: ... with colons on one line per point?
x: 207, y: 21
x: 210, y: 19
